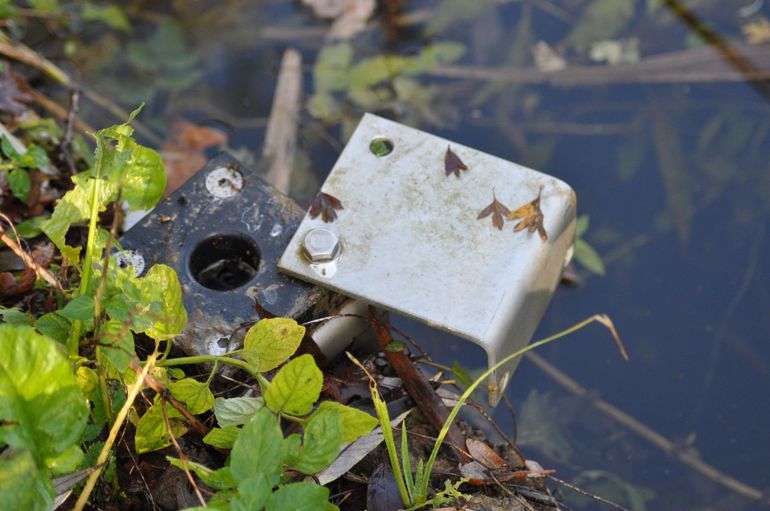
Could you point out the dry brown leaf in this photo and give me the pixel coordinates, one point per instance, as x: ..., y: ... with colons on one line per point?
x: 531, y: 217
x: 497, y: 209
x: 324, y: 204
x: 484, y: 454
x: 182, y: 151
x: 452, y: 163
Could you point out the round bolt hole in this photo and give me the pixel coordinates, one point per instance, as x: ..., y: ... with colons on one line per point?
x: 381, y: 146
x: 224, y: 261
x: 224, y: 182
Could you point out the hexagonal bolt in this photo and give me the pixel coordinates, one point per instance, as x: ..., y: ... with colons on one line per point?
x: 321, y: 245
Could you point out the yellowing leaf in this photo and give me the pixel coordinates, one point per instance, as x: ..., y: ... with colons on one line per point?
x: 355, y: 423
x: 194, y: 394
x: 271, y: 342
x: 531, y: 217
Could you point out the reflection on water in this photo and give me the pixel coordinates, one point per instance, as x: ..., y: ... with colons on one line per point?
x: 663, y: 141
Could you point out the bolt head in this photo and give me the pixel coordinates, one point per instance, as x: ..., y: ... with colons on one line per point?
x: 321, y: 245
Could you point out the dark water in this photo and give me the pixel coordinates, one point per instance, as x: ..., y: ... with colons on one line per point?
x: 675, y: 178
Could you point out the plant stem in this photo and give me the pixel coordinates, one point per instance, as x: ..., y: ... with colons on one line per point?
x: 116, y: 426
x: 213, y: 359
x: 422, y: 492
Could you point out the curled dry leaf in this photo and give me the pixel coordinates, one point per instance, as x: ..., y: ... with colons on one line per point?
x: 484, y: 454
x: 531, y: 217
x: 324, y: 204
x: 497, y: 209
x: 452, y: 163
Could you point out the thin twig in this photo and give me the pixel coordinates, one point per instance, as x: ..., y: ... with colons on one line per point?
x: 689, y: 458
x: 588, y: 494
x: 133, y: 391
x: 28, y: 261
x: 181, y: 454
x: 72, y: 112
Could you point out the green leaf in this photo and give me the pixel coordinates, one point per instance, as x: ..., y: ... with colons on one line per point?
x: 22, y: 484
x: 144, y: 178
x: 151, y: 431
x: 236, y: 410
x: 355, y: 423
x: 81, y: 308
x: 301, y: 496
x: 220, y: 479
x: 54, y: 326
x: 321, y: 442
x: 20, y: 183
x: 461, y: 374
x: 586, y: 255
x: 222, y: 438
x: 117, y: 344
x: 110, y: 15
x: 330, y: 73
x: 30, y: 227
x: 66, y: 462
x: 15, y: 317
x: 271, y: 342
x: 194, y: 394
x: 41, y: 406
x: 581, y: 225
x: 161, y: 285
x: 75, y: 207
x: 296, y: 387
x: 252, y: 493
x: 259, y: 449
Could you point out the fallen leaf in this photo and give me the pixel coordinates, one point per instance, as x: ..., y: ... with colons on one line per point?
x: 14, y: 93
x: 183, y: 151
x: 498, y: 211
x: 484, y: 454
x: 325, y: 204
x: 531, y: 217
x: 475, y: 473
x: 350, y: 16
x: 757, y: 32
x: 13, y: 286
x: 452, y: 163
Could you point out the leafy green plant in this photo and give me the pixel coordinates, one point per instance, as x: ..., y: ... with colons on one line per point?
x: 263, y: 460
x: 413, y: 488
x: 18, y: 165
x: 585, y: 254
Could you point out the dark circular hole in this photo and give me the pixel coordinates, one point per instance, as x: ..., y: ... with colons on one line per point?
x: 224, y: 261
x: 381, y: 146
x: 181, y: 200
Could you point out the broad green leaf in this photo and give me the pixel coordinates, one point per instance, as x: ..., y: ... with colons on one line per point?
x: 259, y: 449
x: 87, y: 380
x: 222, y: 438
x: 151, y: 431
x: 236, y: 410
x: 30, y: 227
x: 435, y: 55
x: 16, y: 317
x: 194, y: 394
x: 66, y: 462
x: 110, y: 15
x: 55, y: 326
x: 330, y: 73
x: 20, y: 183
x: 220, y: 479
x: 81, y: 308
x: 296, y: 387
x: 321, y: 442
x: 301, y: 496
x: 271, y: 342
x: 374, y: 70
x: 588, y: 257
x: 161, y: 284
x: 116, y: 344
x: 144, y: 178
x: 22, y: 484
x: 41, y: 406
x: 75, y: 207
x: 355, y: 423
x: 581, y: 225
x: 252, y: 493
